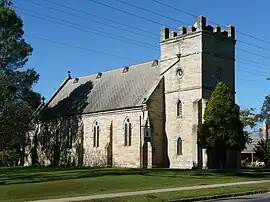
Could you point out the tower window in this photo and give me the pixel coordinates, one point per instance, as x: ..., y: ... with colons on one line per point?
x: 179, y: 73
x: 96, y: 135
x: 179, y: 109
x: 179, y: 146
x: 128, y: 132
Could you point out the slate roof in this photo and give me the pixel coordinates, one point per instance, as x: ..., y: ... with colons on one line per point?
x: 114, y: 89
x: 249, y: 148
x: 255, y: 137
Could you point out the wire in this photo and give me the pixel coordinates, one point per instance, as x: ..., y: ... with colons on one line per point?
x: 177, y: 9
x: 172, y: 19
x: 126, y: 39
x: 254, y: 62
x: 93, y: 15
x: 108, y: 54
x: 250, y: 44
x: 191, y: 14
x: 149, y: 11
x: 81, y: 48
x: 112, y: 55
x: 145, y: 35
x: 102, y: 23
x: 251, y: 72
x: 251, y: 68
x: 248, y: 63
x: 249, y: 80
x: 249, y: 52
x: 132, y: 14
x: 89, y: 30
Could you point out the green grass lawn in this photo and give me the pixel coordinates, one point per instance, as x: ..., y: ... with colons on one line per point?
x: 189, y: 194
x: 21, y: 184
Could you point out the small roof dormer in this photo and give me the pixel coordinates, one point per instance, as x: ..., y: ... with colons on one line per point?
x: 155, y: 63
x: 99, y: 75
x: 125, y: 69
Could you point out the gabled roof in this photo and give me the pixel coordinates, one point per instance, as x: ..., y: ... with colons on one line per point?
x: 117, y: 89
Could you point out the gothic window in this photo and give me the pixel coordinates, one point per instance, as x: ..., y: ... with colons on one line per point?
x: 45, y: 136
x: 128, y: 132
x: 96, y: 134
x: 179, y: 108
x: 179, y: 146
x: 70, y: 131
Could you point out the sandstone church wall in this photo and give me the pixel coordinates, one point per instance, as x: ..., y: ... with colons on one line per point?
x: 185, y: 88
x: 155, y: 107
x: 112, y: 123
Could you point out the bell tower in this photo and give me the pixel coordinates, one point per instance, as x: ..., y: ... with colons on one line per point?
x: 193, y: 60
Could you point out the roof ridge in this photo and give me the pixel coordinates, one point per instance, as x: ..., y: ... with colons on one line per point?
x: 116, y: 69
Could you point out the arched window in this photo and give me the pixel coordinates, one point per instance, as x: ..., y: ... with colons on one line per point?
x: 128, y: 132
x: 96, y: 134
x: 70, y: 131
x: 179, y: 108
x: 179, y: 146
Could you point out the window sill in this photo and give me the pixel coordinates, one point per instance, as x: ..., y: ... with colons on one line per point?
x: 179, y: 116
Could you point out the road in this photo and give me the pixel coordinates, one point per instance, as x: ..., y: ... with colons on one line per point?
x: 253, y: 198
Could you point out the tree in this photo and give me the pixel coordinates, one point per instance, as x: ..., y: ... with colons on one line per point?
x: 5, y: 3
x: 222, y: 128
x: 265, y: 110
x: 248, y: 117
x: 263, y: 147
x: 249, y: 120
x: 262, y: 152
x: 17, y: 98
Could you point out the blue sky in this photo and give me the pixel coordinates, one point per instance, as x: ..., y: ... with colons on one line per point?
x: 56, y: 55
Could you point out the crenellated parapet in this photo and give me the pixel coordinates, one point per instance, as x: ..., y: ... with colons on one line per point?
x: 200, y: 25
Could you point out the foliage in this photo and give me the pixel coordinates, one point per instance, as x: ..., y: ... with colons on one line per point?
x: 248, y: 117
x: 5, y: 3
x: 263, y: 147
x: 249, y: 120
x: 263, y: 152
x: 17, y: 98
x: 222, y: 127
x: 265, y: 110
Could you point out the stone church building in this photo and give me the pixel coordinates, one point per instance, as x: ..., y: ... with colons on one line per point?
x: 147, y: 114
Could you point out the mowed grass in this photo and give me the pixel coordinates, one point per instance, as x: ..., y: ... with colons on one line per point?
x: 168, y: 196
x: 22, y: 184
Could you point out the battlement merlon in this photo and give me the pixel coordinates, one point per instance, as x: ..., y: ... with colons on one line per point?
x: 200, y: 25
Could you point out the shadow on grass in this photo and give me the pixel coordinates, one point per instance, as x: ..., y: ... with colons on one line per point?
x: 254, y: 173
x: 22, y: 175
x: 53, y: 174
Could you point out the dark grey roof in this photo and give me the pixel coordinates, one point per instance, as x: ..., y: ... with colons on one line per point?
x: 255, y: 139
x: 249, y: 148
x: 113, y: 90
